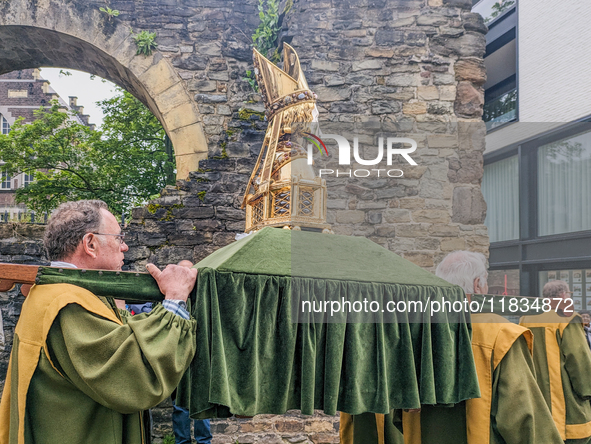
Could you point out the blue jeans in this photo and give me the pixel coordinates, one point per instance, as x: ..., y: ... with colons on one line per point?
x: 181, y: 425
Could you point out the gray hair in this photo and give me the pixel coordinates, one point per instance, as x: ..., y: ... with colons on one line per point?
x: 462, y: 268
x: 68, y: 225
x: 554, y: 289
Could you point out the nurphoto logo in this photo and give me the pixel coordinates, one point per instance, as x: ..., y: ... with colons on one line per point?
x: 395, y: 146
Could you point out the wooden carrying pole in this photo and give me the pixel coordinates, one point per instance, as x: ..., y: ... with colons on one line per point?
x: 11, y: 274
x: 128, y: 285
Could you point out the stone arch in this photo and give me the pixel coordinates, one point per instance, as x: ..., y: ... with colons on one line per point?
x: 78, y: 36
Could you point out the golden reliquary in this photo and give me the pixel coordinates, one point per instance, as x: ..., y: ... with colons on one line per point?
x: 283, y: 190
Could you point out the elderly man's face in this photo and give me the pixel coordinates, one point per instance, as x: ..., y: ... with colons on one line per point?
x: 586, y: 319
x: 110, y: 250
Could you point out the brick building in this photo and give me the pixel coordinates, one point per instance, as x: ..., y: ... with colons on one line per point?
x: 21, y: 93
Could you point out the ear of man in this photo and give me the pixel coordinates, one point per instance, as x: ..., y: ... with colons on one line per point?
x: 90, y: 245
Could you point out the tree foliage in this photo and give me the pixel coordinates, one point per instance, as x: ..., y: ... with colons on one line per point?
x: 123, y: 164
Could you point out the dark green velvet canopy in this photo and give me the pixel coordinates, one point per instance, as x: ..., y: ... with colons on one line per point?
x: 252, y: 358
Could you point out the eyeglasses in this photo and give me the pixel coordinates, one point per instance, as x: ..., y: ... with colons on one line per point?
x: 120, y: 237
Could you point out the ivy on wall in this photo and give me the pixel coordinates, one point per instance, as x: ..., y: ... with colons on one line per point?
x: 265, y: 36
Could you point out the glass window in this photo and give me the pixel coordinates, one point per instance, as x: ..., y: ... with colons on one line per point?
x: 503, y: 282
x: 4, y: 125
x: 500, y: 187
x: 27, y: 179
x: 579, y: 282
x: 6, y: 181
x: 564, y: 185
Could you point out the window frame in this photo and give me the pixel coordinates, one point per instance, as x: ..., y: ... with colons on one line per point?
x: 532, y: 253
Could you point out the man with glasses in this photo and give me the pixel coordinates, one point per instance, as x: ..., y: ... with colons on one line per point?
x: 82, y: 371
x: 563, y: 364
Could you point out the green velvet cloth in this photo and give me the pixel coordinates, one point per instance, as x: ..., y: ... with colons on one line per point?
x: 133, y: 287
x: 251, y: 358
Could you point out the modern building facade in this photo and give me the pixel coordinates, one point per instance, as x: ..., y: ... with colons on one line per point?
x: 21, y: 93
x: 537, y: 178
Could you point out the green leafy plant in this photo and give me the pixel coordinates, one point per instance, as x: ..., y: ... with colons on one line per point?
x: 145, y: 42
x: 65, y: 73
x: 110, y: 12
x: 252, y: 81
x: 265, y: 36
x: 168, y: 439
x: 498, y: 8
x: 124, y: 164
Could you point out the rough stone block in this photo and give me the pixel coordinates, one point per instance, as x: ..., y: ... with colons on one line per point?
x: 334, y: 80
x: 211, y: 98
x: 414, y: 108
x: 188, y: 140
x: 469, y: 100
x: 159, y: 78
x: 447, y: 93
x: 453, y: 244
x: 326, y: 94
x: 380, y: 52
x: 350, y: 216
x: 389, y: 37
x: 371, y: 205
x: 428, y: 93
x: 219, y: 75
x: 360, y: 79
x: 443, y: 79
x: 468, y: 45
x: 224, y: 110
x: 468, y: 206
x: 412, y: 230
x: 431, y: 19
x: 431, y: 216
x: 367, y: 64
x: 228, y: 213
x: 412, y: 203
x: 471, y: 70
x: 473, y: 21
x: 171, y: 98
x: 442, y: 141
x: 402, y: 80
x: 385, y: 107
x: 467, y: 168
x: 386, y: 231
x: 420, y: 259
x: 413, y: 38
x: 194, y: 212
x: 183, y: 115
x: 201, y: 85
x: 189, y: 239
x: 324, y: 65
x: 396, y: 215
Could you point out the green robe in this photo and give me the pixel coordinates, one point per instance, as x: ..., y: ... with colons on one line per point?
x: 563, y: 366
x: 94, y: 373
x: 511, y: 409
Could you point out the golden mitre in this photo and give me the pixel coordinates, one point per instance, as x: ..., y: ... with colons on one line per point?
x: 283, y: 190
